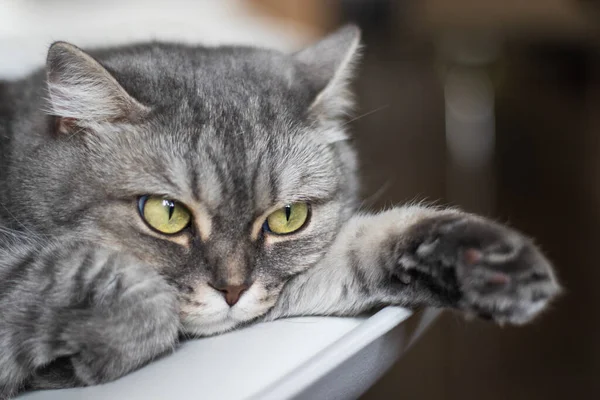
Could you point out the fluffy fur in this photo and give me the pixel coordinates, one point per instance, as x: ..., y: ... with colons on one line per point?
x: 89, y: 292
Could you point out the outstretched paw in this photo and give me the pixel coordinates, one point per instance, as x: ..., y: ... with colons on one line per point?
x: 498, y: 273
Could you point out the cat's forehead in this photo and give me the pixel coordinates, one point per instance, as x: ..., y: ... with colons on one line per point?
x: 229, y: 167
x: 257, y: 169
x: 165, y: 75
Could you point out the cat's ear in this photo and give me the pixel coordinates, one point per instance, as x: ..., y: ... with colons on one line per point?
x: 81, y: 91
x: 330, y: 64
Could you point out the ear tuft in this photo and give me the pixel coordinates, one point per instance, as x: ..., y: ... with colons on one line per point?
x: 81, y: 90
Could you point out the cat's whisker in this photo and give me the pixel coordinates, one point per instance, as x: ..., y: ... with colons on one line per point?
x: 13, y: 232
x: 33, y: 234
x: 365, y: 114
x: 75, y: 133
x: 185, y: 334
x: 370, y: 200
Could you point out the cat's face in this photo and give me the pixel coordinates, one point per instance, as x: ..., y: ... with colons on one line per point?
x: 227, y: 153
x: 230, y: 176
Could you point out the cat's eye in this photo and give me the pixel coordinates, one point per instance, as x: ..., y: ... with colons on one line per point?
x: 164, y: 215
x: 288, y: 219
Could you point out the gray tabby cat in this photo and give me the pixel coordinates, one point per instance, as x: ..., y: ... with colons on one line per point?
x: 159, y: 189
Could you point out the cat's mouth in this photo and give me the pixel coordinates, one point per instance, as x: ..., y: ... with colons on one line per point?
x: 207, y: 312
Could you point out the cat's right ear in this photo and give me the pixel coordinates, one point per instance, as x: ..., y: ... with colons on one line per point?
x: 82, y: 92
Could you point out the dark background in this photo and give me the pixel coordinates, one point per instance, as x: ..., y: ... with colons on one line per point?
x: 542, y: 177
x: 542, y: 180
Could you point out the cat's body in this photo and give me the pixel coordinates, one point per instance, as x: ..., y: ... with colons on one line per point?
x: 89, y: 291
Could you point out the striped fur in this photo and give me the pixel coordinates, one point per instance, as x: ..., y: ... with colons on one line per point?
x: 88, y: 292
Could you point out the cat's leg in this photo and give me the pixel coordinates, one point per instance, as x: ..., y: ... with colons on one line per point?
x: 418, y: 256
x: 75, y: 315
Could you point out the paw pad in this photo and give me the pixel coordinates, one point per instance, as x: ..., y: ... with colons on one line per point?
x: 472, y: 256
x: 499, y: 279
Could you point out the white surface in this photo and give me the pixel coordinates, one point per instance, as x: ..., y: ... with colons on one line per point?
x: 341, y: 356
x: 275, y: 360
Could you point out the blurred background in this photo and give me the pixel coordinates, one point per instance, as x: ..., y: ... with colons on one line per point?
x: 490, y: 105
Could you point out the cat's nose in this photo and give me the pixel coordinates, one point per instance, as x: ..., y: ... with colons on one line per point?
x: 232, y: 293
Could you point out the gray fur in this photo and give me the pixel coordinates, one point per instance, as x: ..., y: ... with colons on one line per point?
x: 89, y: 292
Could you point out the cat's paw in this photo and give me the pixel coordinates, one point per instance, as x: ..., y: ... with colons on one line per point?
x: 130, y: 317
x: 495, y: 272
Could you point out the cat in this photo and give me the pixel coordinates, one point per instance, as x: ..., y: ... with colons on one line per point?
x: 158, y: 189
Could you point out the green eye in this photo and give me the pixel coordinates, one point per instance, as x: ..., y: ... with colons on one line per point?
x: 288, y: 219
x: 164, y: 215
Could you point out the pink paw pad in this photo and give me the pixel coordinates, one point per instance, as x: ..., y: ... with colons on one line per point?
x: 472, y: 256
x: 499, y: 279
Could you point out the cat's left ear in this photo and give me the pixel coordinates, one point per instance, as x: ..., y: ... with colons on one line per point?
x: 330, y: 65
x: 82, y: 92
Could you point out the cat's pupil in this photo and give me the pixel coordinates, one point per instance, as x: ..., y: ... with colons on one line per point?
x: 288, y: 212
x: 171, y: 205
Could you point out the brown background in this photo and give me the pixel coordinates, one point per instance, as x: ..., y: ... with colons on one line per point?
x: 543, y: 179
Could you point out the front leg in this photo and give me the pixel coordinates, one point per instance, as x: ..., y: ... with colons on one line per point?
x: 79, y: 315
x: 417, y: 256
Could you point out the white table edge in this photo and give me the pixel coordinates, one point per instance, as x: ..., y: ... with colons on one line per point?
x: 336, y: 354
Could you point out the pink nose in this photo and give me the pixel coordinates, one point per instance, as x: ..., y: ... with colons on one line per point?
x: 232, y: 293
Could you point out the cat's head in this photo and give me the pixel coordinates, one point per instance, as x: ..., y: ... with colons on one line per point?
x: 226, y: 169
